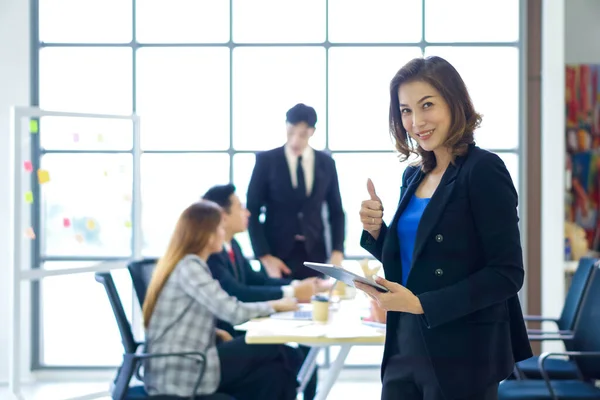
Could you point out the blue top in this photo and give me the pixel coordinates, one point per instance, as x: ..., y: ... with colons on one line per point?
x: 407, y: 232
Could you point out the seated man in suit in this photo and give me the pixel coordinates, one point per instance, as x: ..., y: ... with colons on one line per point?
x: 239, y: 279
x: 233, y: 270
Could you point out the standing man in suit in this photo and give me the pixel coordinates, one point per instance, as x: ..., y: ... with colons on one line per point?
x: 292, y: 183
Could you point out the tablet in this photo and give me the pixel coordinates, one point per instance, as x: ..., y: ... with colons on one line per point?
x: 343, y: 275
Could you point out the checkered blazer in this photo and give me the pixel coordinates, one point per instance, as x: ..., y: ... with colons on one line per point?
x: 184, y: 320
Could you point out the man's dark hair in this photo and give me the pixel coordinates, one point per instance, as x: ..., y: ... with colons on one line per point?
x: 221, y: 194
x: 301, y: 113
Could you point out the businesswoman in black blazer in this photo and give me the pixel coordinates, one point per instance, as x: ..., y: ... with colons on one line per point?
x: 452, y: 254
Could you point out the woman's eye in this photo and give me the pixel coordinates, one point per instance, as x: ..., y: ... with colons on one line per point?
x: 405, y: 111
x: 427, y: 105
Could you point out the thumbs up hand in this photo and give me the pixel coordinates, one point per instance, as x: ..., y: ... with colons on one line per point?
x: 371, y: 211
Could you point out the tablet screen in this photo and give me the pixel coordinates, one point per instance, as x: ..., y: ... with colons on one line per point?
x: 344, y: 275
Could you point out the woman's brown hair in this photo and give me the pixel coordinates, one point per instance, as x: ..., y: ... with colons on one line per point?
x: 440, y: 74
x: 191, y: 235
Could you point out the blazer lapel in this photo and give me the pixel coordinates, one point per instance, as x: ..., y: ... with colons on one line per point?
x: 436, y: 206
x: 284, y: 171
x: 225, y: 256
x: 239, y: 261
x: 318, y: 171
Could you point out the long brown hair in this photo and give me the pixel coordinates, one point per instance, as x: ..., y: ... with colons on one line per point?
x: 440, y: 74
x: 191, y: 235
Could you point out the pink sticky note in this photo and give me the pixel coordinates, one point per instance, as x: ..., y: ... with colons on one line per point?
x: 76, y: 137
x: 28, y: 166
x: 29, y: 233
x: 66, y: 222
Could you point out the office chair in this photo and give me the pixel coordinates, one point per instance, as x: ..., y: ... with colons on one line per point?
x: 141, y: 273
x: 584, y: 351
x: 557, y: 368
x: 132, y: 358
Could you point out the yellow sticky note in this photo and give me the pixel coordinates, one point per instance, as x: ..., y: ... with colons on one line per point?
x: 100, y: 138
x: 33, y: 126
x: 43, y: 176
x: 29, y: 197
x: 105, y: 173
x: 29, y: 233
x: 127, y: 224
x: 90, y: 224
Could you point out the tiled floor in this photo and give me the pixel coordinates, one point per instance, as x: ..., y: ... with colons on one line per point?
x: 353, y: 384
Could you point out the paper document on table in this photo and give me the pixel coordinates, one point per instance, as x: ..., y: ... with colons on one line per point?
x: 352, y: 332
x: 274, y: 325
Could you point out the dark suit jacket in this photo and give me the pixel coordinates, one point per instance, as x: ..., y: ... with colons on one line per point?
x: 286, y: 215
x: 467, y: 269
x: 242, y: 281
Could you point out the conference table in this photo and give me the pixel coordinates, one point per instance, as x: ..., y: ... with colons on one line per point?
x: 345, y: 329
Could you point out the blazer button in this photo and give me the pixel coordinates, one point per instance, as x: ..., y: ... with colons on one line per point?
x: 439, y: 238
x: 439, y: 272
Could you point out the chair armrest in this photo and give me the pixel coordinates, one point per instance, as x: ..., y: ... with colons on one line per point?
x: 539, y: 318
x: 546, y: 355
x: 542, y: 338
x: 198, y: 356
x: 541, y: 332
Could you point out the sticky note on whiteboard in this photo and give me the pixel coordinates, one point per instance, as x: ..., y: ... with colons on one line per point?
x: 29, y: 197
x: 43, y: 176
x: 33, y: 126
x: 29, y: 233
x: 28, y: 166
x: 90, y: 224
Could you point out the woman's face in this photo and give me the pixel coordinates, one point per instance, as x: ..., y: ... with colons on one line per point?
x: 215, y: 243
x: 425, y: 114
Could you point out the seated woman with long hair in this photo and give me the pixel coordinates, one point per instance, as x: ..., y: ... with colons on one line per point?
x: 181, y: 307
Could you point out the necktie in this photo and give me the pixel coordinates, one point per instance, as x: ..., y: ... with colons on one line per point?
x: 232, y: 259
x: 300, y: 178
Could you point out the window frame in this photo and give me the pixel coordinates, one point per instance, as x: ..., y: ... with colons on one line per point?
x: 136, y: 151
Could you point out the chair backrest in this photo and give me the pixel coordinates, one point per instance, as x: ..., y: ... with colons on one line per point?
x: 579, y: 283
x: 141, y: 273
x: 587, y: 328
x: 129, y: 343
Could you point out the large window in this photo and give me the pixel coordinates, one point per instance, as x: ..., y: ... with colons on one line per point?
x: 211, y: 81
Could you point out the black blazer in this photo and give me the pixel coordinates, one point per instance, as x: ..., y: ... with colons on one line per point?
x: 241, y: 280
x: 285, y: 214
x: 467, y: 269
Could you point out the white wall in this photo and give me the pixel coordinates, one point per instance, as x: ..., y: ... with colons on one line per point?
x: 553, y: 161
x: 14, y: 90
x: 582, y: 36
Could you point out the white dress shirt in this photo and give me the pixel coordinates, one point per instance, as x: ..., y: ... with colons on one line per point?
x: 308, y: 165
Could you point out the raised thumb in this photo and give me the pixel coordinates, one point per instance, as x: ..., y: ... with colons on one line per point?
x: 371, y: 190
